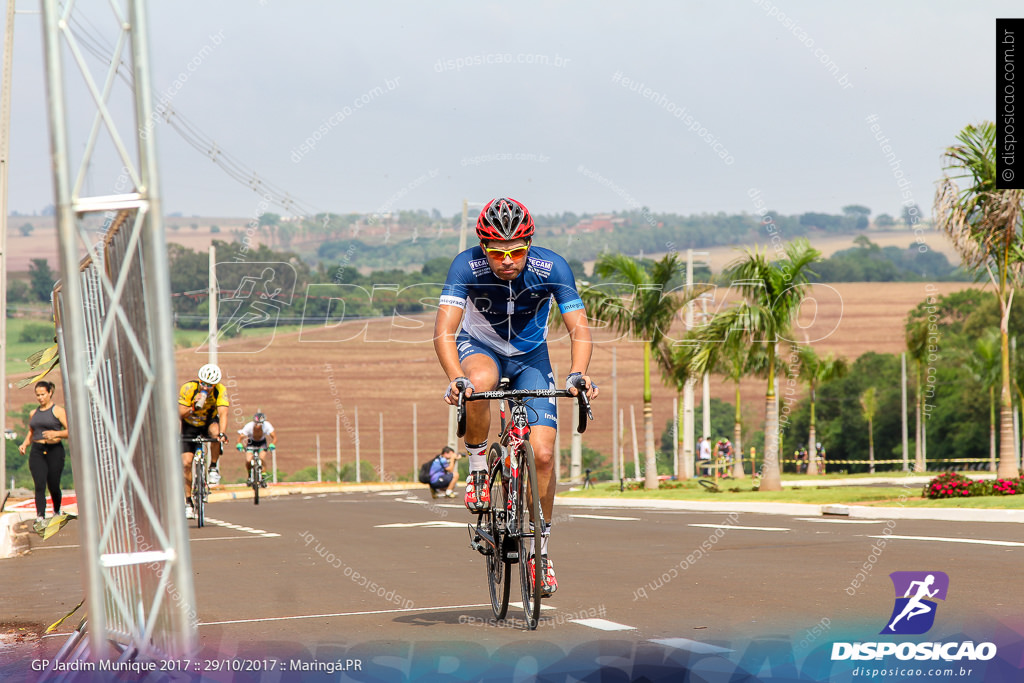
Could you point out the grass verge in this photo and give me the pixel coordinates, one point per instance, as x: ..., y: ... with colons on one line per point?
x: 820, y: 495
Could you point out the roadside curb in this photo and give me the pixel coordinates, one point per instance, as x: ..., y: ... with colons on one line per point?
x: 309, y: 488
x: 807, y: 509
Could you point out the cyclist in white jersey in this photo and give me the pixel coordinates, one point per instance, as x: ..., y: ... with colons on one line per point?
x: 259, y: 434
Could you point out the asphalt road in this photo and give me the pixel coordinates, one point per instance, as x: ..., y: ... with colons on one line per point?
x: 387, y: 579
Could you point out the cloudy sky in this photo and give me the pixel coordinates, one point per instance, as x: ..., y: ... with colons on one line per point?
x: 578, y: 106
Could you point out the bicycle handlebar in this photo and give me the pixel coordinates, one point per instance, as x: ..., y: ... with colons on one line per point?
x: 202, y: 439
x: 581, y: 399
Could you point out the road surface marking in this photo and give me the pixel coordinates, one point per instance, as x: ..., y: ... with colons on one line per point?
x: 436, y: 524
x: 693, y: 646
x: 953, y: 540
x: 736, y: 526
x: 237, y: 527
x: 840, y: 521
x: 615, y: 519
x: 519, y: 605
x: 341, y: 614
x: 191, y: 540
x: 392, y: 493
x: 603, y: 624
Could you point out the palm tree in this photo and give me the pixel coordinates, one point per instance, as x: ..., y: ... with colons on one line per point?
x: 869, y: 405
x: 917, y: 350
x: 772, y: 294
x: 732, y: 364
x: 647, y: 316
x: 814, y: 370
x: 984, y: 223
x: 984, y: 364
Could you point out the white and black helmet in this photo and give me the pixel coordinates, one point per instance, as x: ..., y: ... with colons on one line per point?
x: 209, y: 373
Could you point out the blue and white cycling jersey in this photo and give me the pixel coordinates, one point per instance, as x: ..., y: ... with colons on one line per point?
x: 510, y: 317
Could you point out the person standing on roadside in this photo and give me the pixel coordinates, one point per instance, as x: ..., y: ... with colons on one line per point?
x: 704, y: 453
x: 47, y: 425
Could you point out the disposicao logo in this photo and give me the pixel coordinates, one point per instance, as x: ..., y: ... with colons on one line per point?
x: 913, y: 614
x: 914, y: 611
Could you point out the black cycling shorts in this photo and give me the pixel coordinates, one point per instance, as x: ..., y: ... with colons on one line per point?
x: 189, y: 432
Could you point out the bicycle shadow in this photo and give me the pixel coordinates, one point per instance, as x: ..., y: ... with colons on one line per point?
x: 441, y: 617
x: 463, y: 617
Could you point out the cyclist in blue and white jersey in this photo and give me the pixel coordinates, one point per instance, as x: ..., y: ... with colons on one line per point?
x: 492, y: 323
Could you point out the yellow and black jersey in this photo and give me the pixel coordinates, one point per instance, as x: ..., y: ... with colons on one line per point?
x: 189, y: 394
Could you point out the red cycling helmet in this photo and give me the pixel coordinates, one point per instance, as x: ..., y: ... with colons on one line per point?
x: 504, y: 219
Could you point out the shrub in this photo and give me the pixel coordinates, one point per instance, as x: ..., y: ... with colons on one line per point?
x: 1007, y: 487
x: 947, y: 485
x: 33, y: 333
x: 953, y: 485
x: 982, y: 487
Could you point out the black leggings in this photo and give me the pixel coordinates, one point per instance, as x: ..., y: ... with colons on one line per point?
x: 46, y: 462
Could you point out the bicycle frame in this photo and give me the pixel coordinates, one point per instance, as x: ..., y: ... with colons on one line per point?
x: 516, y: 468
x: 199, y: 486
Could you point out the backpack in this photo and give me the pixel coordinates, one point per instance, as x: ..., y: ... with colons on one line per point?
x: 425, y: 471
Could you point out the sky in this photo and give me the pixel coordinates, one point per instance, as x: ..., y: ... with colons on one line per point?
x: 683, y: 107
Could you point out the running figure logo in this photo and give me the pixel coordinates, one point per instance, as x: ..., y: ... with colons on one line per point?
x: 252, y: 295
x: 914, y: 613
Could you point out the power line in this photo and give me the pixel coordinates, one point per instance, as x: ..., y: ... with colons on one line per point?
x: 189, y: 131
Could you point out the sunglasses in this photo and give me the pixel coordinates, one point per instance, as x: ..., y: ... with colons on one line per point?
x: 205, y: 385
x: 517, y: 254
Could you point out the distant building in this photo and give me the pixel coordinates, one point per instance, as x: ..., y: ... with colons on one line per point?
x: 604, y: 222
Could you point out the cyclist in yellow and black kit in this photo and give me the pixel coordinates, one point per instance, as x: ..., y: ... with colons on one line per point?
x: 203, y: 408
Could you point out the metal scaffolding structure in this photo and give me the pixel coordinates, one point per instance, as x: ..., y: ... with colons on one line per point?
x: 116, y: 343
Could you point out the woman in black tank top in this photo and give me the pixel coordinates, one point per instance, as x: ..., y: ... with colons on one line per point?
x: 47, y: 425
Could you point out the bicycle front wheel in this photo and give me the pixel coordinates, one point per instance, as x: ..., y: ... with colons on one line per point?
x: 257, y: 477
x: 529, y: 508
x: 199, y: 493
x: 498, y: 575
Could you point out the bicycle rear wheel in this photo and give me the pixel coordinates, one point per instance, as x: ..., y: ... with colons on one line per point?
x: 498, y: 574
x: 529, y: 507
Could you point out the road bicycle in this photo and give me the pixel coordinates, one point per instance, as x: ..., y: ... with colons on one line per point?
x: 256, y: 474
x: 200, y: 486
x: 502, y: 534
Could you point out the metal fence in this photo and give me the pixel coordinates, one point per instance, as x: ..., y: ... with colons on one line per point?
x: 115, y: 338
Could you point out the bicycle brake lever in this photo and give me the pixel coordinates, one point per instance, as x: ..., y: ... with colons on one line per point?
x: 461, y: 410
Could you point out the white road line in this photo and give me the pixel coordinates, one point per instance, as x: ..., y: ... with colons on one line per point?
x: 840, y: 521
x: 417, y: 501
x: 694, y: 646
x: 340, y: 614
x: 519, y: 605
x: 393, y: 493
x: 603, y: 624
x: 191, y: 540
x: 736, y: 526
x: 954, y: 540
x: 237, y: 527
x: 436, y: 524
x: 614, y: 519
